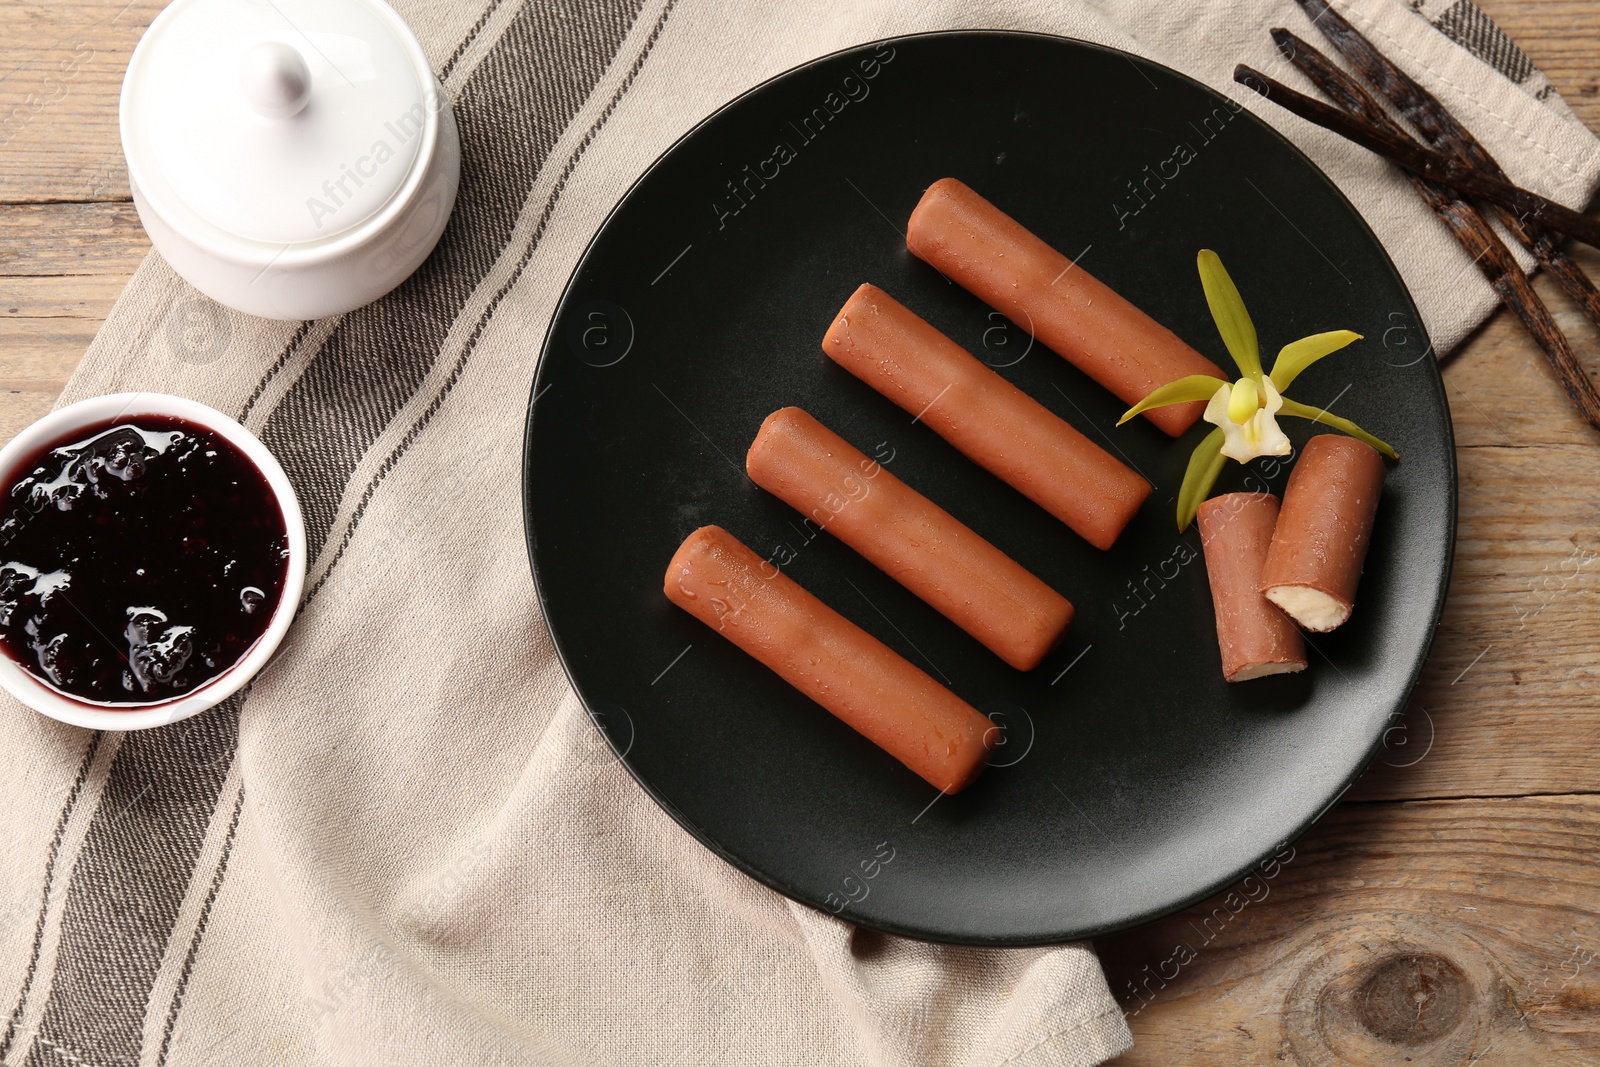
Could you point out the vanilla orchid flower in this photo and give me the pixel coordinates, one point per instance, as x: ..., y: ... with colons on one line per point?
x: 1246, y: 415
x: 1245, y: 411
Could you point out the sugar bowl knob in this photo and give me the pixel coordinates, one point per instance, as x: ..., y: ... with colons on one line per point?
x: 275, y: 80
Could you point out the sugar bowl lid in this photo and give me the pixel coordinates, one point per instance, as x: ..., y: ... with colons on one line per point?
x: 275, y: 122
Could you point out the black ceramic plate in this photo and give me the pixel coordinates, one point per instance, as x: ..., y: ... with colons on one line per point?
x: 1133, y: 780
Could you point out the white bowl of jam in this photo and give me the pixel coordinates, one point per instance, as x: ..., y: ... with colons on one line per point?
x: 152, y: 554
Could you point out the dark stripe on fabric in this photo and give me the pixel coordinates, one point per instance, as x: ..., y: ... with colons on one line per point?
x: 1467, y: 25
x: 466, y: 42
x: 44, y: 895
x: 130, y: 880
x: 467, y: 349
x: 128, y: 883
x: 512, y: 111
x: 274, y: 370
x: 199, y: 931
x: 443, y: 75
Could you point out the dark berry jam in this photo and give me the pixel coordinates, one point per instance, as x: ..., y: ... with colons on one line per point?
x: 138, y: 560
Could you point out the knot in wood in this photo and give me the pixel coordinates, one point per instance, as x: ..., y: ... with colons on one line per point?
x: 1412, y: 999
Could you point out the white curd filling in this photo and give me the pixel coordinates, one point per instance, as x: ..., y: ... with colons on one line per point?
x: 1311, y: 608
x: 1261, y: 670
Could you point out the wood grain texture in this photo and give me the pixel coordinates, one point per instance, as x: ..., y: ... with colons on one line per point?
x: 61, y: 268
x: 1447, y: 931
x: 60, y: 79
x: 1459, y: 931
x: 1431, y: 933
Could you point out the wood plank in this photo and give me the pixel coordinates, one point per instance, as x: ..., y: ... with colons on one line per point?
x: 51, y: 240
x: 1428, y: 933
x: 1501, y: 388
x: 40, y: 355
x: 1559, y: 36
x: 58, y: 98
x: 84, y: 296
x: 62, y: 266
x: 1510, y: 698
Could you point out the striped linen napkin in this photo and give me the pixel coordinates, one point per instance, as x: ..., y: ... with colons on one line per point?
x: 405, y: 843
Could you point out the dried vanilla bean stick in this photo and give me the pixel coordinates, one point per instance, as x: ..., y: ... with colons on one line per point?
x: 1424, y: 161
x: 1443, y: 131
x: 1465, y: 222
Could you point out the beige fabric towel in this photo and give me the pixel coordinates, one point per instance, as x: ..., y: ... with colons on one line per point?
x: 406, y: 844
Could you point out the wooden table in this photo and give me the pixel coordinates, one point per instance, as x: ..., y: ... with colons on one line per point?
x: 1447, y: 912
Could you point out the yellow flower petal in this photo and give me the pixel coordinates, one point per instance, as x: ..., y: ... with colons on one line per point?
x: 1193, y: 387
x: 1227, y: 308
x: 1244, y: 401
x: 1205, y: 464
x: 1296, y: 356
x: 1306, y: 411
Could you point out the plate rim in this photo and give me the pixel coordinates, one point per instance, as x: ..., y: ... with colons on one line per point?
x: 1435, y: 382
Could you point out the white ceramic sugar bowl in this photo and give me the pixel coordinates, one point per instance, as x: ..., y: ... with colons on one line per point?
x: 290, y: 158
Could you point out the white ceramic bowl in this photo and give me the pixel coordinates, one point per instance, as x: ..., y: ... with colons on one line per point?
x: 327, y: 278
x: 294, y: 273
x: 62, y: 424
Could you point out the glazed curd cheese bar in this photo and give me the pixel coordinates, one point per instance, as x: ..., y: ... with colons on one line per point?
x: 1002, y: 263
x: 910, y: 538
x: 717, y: 579
x: 991, y: 421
